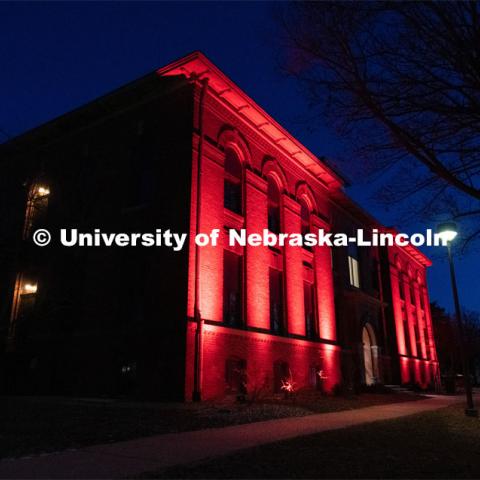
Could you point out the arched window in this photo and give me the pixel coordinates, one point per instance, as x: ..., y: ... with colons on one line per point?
x: 232, y: 198
x: 304, y: 216
x: 273, y: 194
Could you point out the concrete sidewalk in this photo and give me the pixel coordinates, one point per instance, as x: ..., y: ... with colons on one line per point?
x: 130, y: 458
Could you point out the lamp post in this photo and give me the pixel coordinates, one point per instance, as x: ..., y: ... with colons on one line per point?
x: 447, y: 232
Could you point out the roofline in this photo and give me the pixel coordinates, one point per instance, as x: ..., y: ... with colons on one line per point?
x: 197, y: 66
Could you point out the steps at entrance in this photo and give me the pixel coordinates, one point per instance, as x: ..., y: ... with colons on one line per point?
x: 399, y: 389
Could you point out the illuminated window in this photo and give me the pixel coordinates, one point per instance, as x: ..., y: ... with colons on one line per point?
x: 23, y: 303
x: 277, y: 321
x: 309, y: 309
x: 353, y: 266
x: 37, y: 203
x: 236, y: 375
x: 273, y: 194
x: 232, y: 198
x: 232, y: 289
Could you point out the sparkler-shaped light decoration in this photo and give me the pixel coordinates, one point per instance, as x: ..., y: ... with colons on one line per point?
x: 288, y: 385
x: 321, y: 375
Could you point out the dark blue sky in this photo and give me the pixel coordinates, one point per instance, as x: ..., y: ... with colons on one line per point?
x: 57, y: 56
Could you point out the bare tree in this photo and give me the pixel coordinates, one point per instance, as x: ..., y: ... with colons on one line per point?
x: 400, y: 80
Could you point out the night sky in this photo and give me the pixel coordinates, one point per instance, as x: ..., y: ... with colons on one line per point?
x: 57, y: 56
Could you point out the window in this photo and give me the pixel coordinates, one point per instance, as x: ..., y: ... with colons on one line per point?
x: 309, y: 308
x: 232, y: 289
x: 305, y: 220
x: 422, y: 301
x: 353, y: 266
x: 37, y: 204
x: 417, y: 340
x: 316, y: 377
x: 141, y: 173
x: 281, y: 375
x: 401, y: 288
x: 236, y: 375
x: 23, y: 306
x: 375, y: 275
x: 273, y: 194
x: 277, y: 323
x: 427, y: 343
x: 412, y: 294
x: 406, y: 333
x: 232, y: 194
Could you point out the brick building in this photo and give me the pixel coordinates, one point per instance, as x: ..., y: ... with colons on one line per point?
x: 184, y: 148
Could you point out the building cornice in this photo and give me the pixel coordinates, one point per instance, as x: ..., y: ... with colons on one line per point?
x: 196, y: 66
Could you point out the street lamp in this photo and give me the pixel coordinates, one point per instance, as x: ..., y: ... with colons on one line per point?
x: 447, y: 232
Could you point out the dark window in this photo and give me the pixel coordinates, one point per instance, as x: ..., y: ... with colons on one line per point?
x: 232, y: 198
x: 417, y: 341
x: 281, y: 375
x: 422, y: 301
x: 140, y: 179
x: 375, y: 274
x: 309, y: 305
x: 26, y: 306
x: 316, y: 377
x: 305, y: 220
x: 412, y: 295
x: 273, y: 206
x: 401, y: 289
x: 236, y: 375
x: 232, y: 289
x: 277, y: 323
x: 427, y: 343
x: 406, y: 332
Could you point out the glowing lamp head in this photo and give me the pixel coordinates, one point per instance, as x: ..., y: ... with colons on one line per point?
x: 43, y: 191
x: 447, y: 231
x: 30, y: 288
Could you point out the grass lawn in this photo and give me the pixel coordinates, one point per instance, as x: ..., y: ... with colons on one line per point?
x: 32, y: 425
x: 440, y: 444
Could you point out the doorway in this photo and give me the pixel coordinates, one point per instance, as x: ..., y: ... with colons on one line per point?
x: 369, y: 355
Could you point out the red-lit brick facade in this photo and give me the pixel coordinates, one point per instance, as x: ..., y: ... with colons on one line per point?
x: 228, y: 120
x: 254, y: 317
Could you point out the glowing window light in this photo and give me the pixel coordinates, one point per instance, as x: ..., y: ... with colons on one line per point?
x: 30, y: 288
x: 43, y: 191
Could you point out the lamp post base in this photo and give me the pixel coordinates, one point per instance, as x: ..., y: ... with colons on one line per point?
x: 471, y: 412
